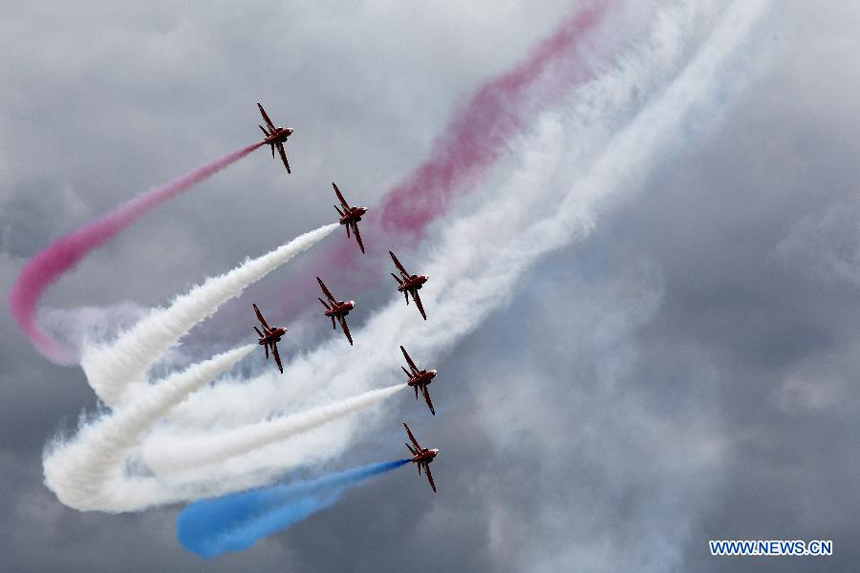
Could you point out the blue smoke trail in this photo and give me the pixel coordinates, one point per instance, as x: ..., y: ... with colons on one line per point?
x: 236, y: 521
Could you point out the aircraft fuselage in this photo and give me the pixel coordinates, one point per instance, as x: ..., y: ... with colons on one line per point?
x: 280, y: 135
x: 414, y: 282
x: 425, y: 456
x: 342, y: 308
x: 353, y: 215
x: 423, y: 378
x: 273, y: 336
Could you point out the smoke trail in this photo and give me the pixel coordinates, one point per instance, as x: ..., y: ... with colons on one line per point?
x: 64, y: 254
x: 551, y: 171
x: 624, y: 122
x: 480, y: 132
x: 170, y: 454
x: 87, y: 473
x: 550, y: 201
x: 472, y: 277
x: 236, y: 521
x: 111, y: 369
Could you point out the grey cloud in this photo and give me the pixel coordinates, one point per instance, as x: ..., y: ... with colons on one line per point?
x: 687, y: 374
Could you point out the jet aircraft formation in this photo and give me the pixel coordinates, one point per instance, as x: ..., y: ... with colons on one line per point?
x: 337, y: 310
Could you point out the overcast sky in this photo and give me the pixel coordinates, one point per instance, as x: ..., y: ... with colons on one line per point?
x: 687, y: 373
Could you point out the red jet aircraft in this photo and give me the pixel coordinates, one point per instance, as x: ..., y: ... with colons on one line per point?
x: 409, y: 284
x: 422, y: 456
x: 337, y: 309
x: 350, y: 216
x: 276, y: 137
x: 270, y: 337
x: 419, y: 379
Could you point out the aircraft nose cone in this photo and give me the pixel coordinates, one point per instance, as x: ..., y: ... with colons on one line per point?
x: 435, y: 451
x: 433, y: 372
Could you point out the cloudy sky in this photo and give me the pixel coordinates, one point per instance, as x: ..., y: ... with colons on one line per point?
x: 683, y: 373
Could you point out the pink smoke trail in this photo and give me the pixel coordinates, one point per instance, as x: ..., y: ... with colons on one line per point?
x: 475, y: 138
x: 49, y: 265
x: 479, y: 133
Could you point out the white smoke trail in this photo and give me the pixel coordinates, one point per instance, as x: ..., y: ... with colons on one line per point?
x: 567, y: 178
x: 169, y: 454
x: 88, y: 473
x: 111, y: 369
x: 471, y: 276
x: 622, y: 124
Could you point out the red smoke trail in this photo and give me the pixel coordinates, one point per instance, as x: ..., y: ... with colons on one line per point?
x: 476, y: 137
x: 479, y: 134
x: 50, y: 264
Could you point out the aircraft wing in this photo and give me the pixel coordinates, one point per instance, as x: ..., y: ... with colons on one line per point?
x: 283, y: 153
x: 258, y: 332
x: 358, y: 236
x: 346, y: 330
x: 327, y: 292
x: 264, y: 131
x: 340, y: 196
x: 429, y: 402
x: 262, y: 320
x: 277, y: 357
x: 407, y: 373
x: 411, y: 437
x: 324, y: 303
x: 399, y: 282
x: 417, y: 298
x: 396, y: 262
x: 266, y: 117
x: 408, y: 359
x: 430, y: 477
x: 413, y: 452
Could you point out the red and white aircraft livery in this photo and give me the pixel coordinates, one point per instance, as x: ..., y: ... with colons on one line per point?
x: 276, y: 137
x: 337, y: 309
x: 422, y: 456
x: 350, y: 216
x: 269, y: 338
x: 419, y: 379
x: 409, y: 284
